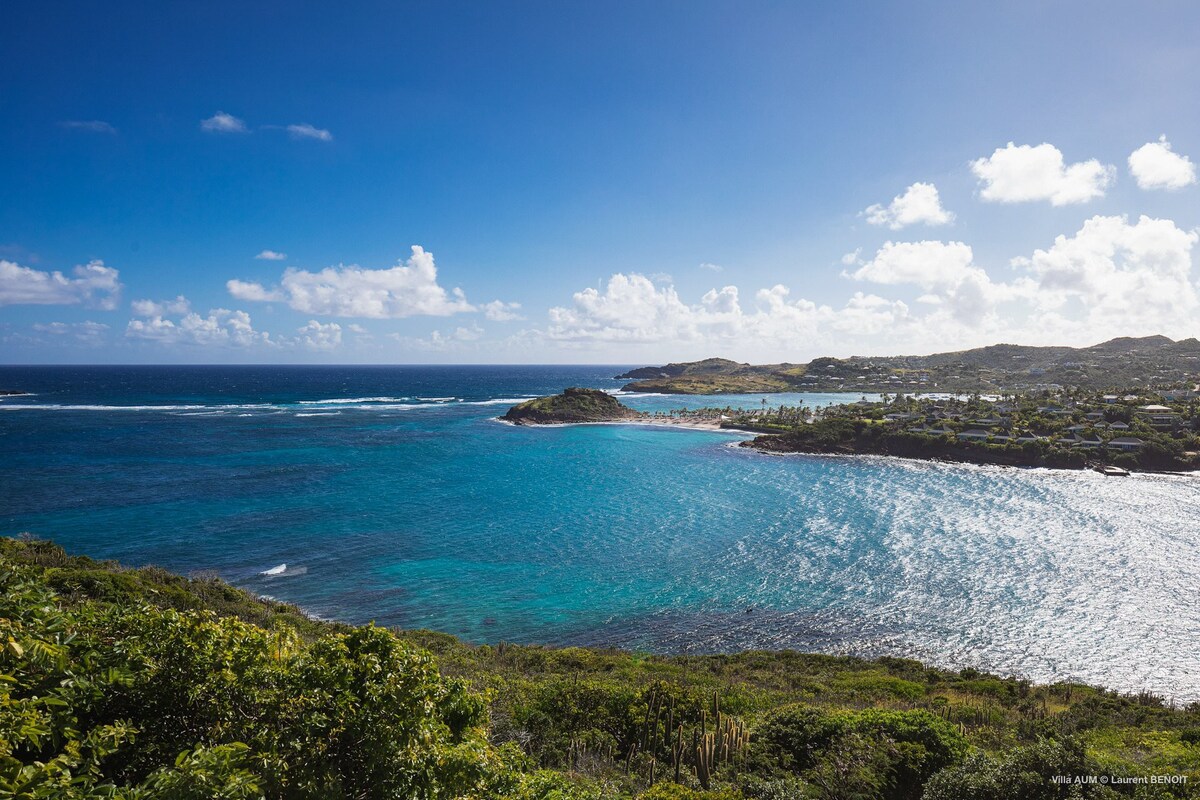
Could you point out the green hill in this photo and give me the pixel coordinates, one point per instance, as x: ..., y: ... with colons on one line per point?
x: 1124, y: 362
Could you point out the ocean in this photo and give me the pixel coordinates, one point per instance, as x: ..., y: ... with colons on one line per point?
x: 392, y: 494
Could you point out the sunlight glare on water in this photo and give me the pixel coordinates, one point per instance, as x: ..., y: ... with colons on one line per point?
x: 391, y: 494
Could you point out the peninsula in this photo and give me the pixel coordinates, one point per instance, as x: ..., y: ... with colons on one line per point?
x: 1125, y: 361
x: 1149, y: 430
x: 1145, y: 430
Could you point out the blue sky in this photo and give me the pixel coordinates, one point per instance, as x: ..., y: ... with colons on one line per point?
x: 613, y: 183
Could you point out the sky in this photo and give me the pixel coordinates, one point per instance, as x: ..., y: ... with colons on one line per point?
x: 619, y: 183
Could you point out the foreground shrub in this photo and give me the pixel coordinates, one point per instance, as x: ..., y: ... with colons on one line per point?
x: 1024, y: 773
x: 97, y: 700
x: 873, y: 753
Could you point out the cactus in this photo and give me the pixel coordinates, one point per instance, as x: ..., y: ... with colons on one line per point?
x: 727, y: 741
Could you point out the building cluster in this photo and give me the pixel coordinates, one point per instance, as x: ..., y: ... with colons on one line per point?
x: 1116, y: 421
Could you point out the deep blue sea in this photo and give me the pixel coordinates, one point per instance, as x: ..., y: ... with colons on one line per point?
x: 392, y: 494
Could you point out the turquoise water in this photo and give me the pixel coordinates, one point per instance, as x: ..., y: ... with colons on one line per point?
x: 392, y: 494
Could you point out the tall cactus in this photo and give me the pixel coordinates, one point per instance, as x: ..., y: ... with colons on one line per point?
x: 723, y: 745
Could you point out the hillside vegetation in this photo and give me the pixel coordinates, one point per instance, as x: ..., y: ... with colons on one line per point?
x: 1149, y: 360
x: 136, y: 683
x: 571, y: 405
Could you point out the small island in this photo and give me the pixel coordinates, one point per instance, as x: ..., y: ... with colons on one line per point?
x: 573, y: 405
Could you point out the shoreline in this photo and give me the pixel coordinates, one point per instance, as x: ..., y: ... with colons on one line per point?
x: 951, y: 459
x: 715, y: 426
x: 874, y: 653
x: 666, y: 422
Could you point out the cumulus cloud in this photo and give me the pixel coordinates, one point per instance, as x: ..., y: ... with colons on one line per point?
x: 89, y: 125
x: 465, y: 334
x: 93, y: 284
x: 1125, y: 278
x: 407, y: 289
x: 306, y: 131
x: 920, y: 203
x: 271, y: 255
x: 320, y: 336
x: 1155, y: 166
x: 928, y: 264
x: 632, y: 310
x: 151, y: 308
x: 712, y: 267
x: 1017, y: 174
x: 253, y: 292
x: 221, y: 327
x: 500, y: 311
x: 221, y: 122
x: 945, y: 271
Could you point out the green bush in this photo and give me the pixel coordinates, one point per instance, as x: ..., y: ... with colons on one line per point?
x: 793, y: 737
x: 889, y: 754
x: 673, y: 791
x: 186, y: 704
x: 921, y: 744
x: 881, y: 687
x: 1024, y: 773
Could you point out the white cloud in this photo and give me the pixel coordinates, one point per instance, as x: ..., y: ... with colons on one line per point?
x: 318, y: 336
x: 1124, y: 279
x: 1016, y: 174
x: 870, y: 315
x: 405, y: 290
x: 221, y: 327
x: 306, y: 131
x: 94, y: 284
x: 1155, y: 166
x: 947, y: 273
x: 712, y: 267
x: 87, y: 332
x: 500, y: 311
x: 462, y: 334
x: 150, y: 308
x: 850, y: 259
x: 89, y: 125
x: 271, y: 255
x: 459, y: 339
x: 919, y: 203
x: 632, y: 310
x: 253, y: 292
x: 928, y: 264
x: 221, y: 122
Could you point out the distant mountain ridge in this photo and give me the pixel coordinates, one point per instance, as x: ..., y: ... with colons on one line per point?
x: 1122, y: 362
